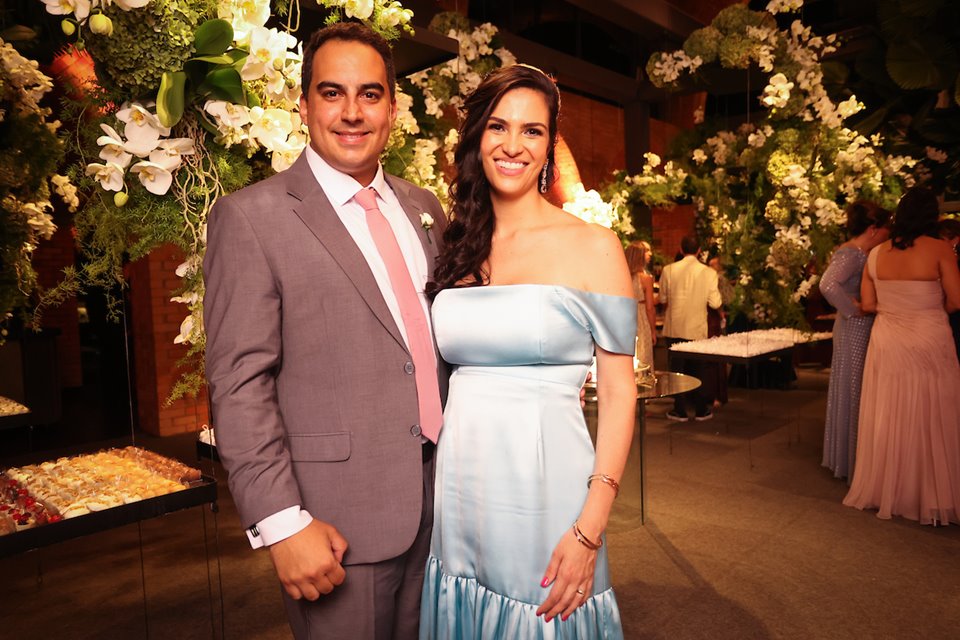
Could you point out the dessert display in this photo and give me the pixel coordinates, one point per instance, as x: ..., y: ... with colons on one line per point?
x: 35, y: 495
x: 10, y: 407
x: 750, y: 343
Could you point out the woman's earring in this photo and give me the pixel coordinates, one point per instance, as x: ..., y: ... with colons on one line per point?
x: 543, y: 177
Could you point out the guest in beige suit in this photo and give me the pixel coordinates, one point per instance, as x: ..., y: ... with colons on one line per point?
x: 687, y: 288
x: 324, y: 381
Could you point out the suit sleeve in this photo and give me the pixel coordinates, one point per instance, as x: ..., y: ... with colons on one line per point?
x: 663, y: 295
x: 242, y: 318
x: 714, y: 300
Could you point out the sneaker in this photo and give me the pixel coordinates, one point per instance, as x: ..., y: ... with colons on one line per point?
x: 707, y: 416
x: 676, y: 417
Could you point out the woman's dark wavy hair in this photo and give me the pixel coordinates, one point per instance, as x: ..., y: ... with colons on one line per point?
x: 863, y: 214
x: 916, y: 216
x: 467, y: 239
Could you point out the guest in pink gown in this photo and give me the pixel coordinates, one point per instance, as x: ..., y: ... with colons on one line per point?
x: 908, y: 452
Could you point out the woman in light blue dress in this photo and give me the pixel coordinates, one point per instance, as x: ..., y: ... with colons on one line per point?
x: 524, y: 295
x: 840, y: 285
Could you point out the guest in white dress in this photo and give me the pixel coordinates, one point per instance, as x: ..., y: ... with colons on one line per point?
x: 638, y: 260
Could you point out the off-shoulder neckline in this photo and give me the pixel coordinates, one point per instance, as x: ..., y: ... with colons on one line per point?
x: 541, y: 284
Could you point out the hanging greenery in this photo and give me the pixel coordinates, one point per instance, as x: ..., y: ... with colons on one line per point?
x: 770, y: 193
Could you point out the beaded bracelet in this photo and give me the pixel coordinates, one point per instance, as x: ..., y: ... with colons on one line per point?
x: 584, y: 540
x: 604, y: 478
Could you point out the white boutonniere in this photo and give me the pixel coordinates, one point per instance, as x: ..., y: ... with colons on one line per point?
x: 426, y: 221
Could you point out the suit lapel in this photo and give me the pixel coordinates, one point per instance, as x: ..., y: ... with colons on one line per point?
x: 413, y: 208
x: 314, y: 209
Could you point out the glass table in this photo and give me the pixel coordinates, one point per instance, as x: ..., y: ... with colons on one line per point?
x: 667, y: 384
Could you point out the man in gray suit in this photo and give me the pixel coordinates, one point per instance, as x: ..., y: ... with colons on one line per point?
x: 317, y: 408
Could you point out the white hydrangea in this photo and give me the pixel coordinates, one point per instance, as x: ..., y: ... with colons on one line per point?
x: 591, y: 207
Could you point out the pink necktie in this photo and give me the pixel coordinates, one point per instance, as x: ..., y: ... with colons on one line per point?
x: 415, y: 324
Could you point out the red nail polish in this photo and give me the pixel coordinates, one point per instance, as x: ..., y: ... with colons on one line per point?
x: 545, y: 582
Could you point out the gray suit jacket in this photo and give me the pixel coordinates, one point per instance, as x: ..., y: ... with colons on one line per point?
x: 313, y: 398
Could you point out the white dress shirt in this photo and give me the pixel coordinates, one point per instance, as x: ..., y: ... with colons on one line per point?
x: 340, y: 190
x: 688, y: 287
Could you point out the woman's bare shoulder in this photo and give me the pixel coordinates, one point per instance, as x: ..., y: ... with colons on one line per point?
x: 595, y: 254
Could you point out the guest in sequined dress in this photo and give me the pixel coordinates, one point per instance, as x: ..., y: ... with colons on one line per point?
x: 840, y: 285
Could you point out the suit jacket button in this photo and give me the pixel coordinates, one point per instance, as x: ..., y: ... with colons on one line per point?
x: 408, y: 367
x: 415, y: 431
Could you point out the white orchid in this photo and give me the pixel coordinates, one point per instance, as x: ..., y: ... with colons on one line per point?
x: 784, y: 6
x: 268, y: 53
x: 186, y: 330
x: 777, y: 93
x: 110, y: 175
x: 244, y: 16
x: 936, y: 154
x: 394, y: 15
x: 228, y: 114
x: 287, y: 153
x: 113, y: 147
x: 169, y: 154
x: 142, y: 129
x: 127, y: 5
x: 361, y: 9
x: 153, y: 177
x: 270, y: 127
x: 66, y: 190
x: 79, y: 8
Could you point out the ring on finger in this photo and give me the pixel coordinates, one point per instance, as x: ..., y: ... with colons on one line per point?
x: 581, y: 592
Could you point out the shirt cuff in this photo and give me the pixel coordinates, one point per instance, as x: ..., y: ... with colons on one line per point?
x: 279, y: 526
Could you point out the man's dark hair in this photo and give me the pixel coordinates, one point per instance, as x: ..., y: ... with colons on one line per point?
x: 347, y: 32
x: 689, y: 245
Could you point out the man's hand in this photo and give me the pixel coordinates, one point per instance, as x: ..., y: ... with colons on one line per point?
x: 308, y: 563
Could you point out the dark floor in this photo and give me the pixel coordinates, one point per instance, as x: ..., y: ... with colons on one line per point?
x: 746, y: 537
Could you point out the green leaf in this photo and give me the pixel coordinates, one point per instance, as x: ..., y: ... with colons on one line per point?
x: 253, y: 100
x: 221, y: 59
x: 225, y: 84
x: 213, y: 37
x: 872, y: 122
x: 872, y: 66
x: 913, y: 64
x: 835, y: 74
x: 170, y: 98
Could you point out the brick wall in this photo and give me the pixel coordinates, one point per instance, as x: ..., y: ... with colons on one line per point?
x: 156, y: 322
x: 594, y: 132
x: 49, y: 260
